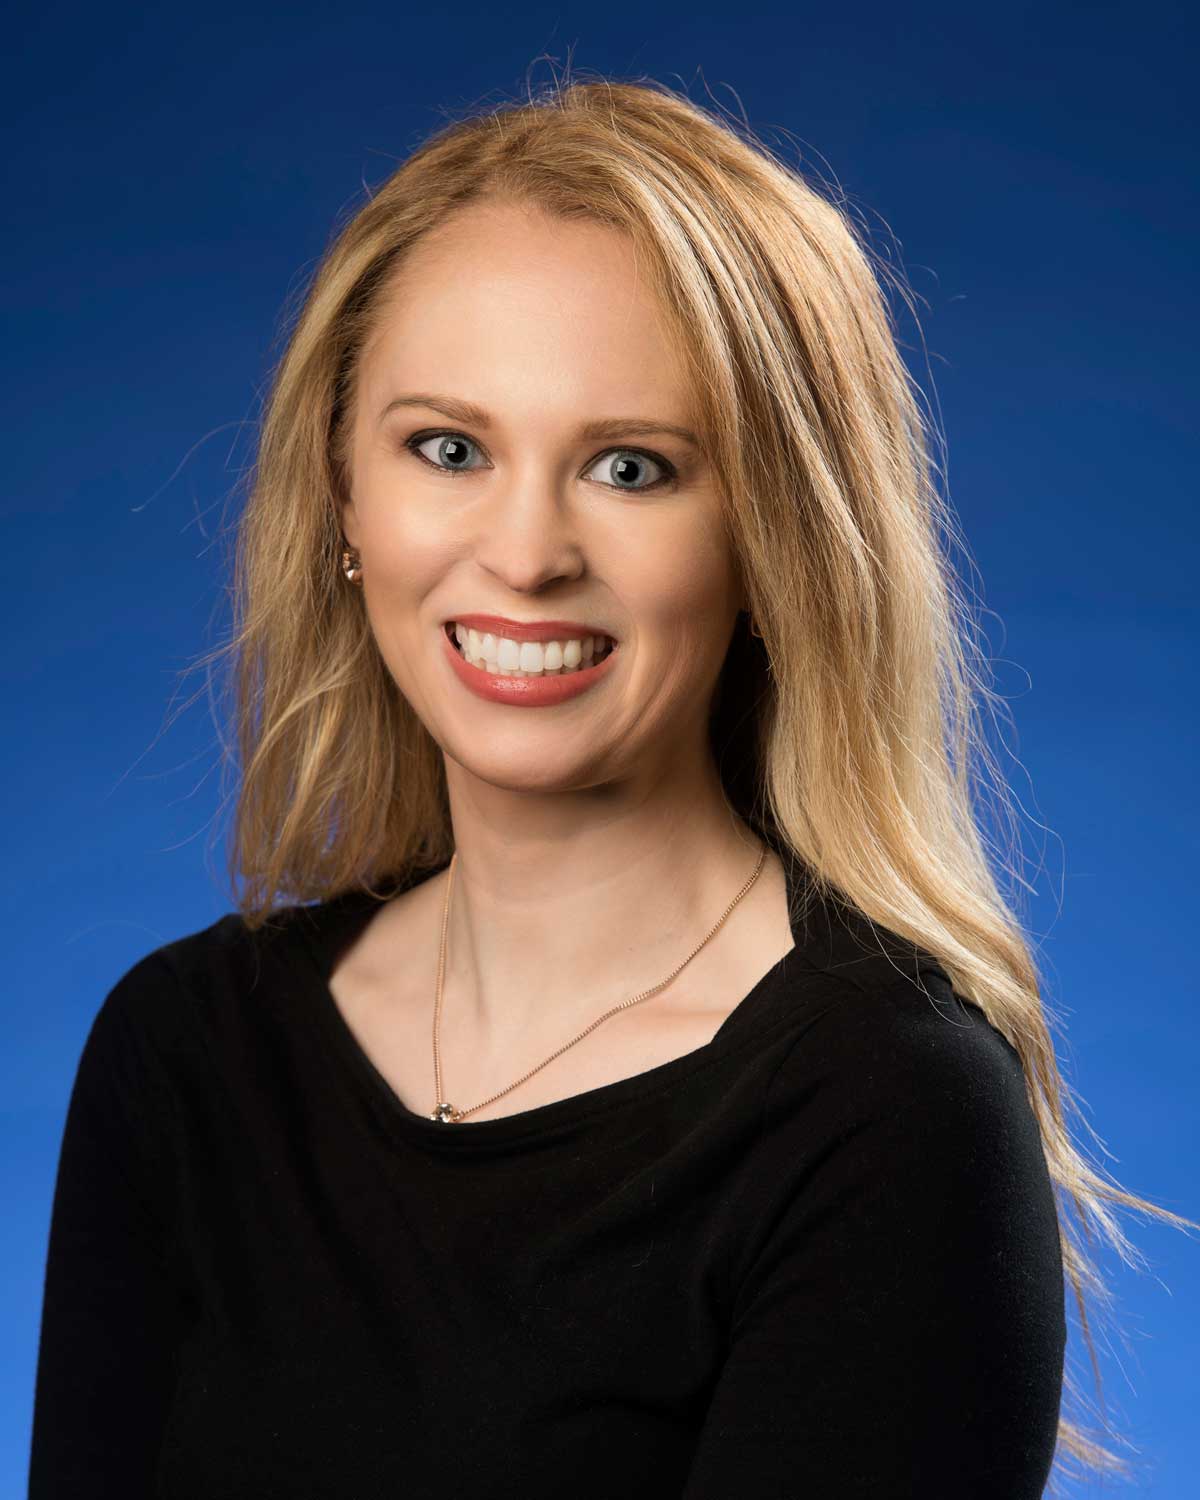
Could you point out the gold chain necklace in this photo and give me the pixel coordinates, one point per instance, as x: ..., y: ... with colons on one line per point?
x: 446, y: 1113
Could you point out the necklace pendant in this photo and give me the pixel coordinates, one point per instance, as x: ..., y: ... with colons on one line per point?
x: 445, y: 1113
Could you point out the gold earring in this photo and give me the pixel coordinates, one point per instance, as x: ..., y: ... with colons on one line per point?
x: 754, y: 630
x: 352, y: 566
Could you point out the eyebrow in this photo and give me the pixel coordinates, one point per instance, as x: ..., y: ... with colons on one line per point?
x: 594, y: 431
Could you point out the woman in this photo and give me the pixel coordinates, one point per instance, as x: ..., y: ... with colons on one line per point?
x: 643, y: 1088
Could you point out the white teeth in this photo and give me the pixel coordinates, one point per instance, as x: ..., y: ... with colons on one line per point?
x: 511, y: 658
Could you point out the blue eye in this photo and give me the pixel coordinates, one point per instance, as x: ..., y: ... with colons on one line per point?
x: 453, y: 451
x: 630, y: 461
x: 451, y: 446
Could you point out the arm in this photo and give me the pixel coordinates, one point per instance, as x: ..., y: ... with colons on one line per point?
x: 110, y: 1312
x: 898, y: 1330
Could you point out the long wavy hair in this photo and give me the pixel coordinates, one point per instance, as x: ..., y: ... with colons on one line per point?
x: 849, y: 734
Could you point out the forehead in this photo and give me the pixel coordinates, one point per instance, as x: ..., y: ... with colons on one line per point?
x: 505, y: 299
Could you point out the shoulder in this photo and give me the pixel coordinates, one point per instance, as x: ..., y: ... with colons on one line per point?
x: 875, y: 1007
x: 902, y: 1080
x: 899, y: 1014
x: 899, y: 1113
x: 163, y: 999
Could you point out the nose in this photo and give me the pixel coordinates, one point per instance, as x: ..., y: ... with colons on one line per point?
x: 528, y: 534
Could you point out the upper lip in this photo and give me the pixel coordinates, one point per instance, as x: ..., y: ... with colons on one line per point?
x: 529, y: 630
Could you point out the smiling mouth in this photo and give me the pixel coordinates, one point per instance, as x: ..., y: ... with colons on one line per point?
x: 544, y: 659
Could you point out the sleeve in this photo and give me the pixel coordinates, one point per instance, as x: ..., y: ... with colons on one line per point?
x: 110, y: 1311
x: 898, y: 1321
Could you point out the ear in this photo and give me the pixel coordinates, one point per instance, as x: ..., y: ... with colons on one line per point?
x: 348, y: 518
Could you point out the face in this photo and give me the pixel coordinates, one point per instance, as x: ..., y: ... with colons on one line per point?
x: 516, y: 510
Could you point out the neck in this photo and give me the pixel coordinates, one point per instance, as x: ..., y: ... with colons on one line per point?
x: 547, y: 930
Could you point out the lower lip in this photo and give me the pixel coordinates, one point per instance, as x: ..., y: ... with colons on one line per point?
x: 525, y: 692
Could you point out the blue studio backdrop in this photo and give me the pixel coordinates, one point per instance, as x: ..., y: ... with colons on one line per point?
x: 172, y: 176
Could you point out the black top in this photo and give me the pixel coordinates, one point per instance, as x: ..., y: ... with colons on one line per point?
x: 818, y: 1255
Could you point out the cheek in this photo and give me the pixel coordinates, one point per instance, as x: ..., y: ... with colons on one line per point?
x: 402, y: 524
x: 401, y: 568
x: 406, y: 552
x: 685, y: 587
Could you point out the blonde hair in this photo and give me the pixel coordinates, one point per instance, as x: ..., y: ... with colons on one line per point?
x: 848, y: 735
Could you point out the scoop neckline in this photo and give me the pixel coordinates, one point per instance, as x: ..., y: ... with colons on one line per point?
x: 331, y: 925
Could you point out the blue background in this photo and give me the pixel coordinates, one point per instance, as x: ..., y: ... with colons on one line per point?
x: 172, y: 178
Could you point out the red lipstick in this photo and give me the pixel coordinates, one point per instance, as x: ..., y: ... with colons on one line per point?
x: 535, y: 630
x: 524, y: 692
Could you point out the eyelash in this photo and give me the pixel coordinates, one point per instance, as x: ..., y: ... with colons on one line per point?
x: 670, y: 474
